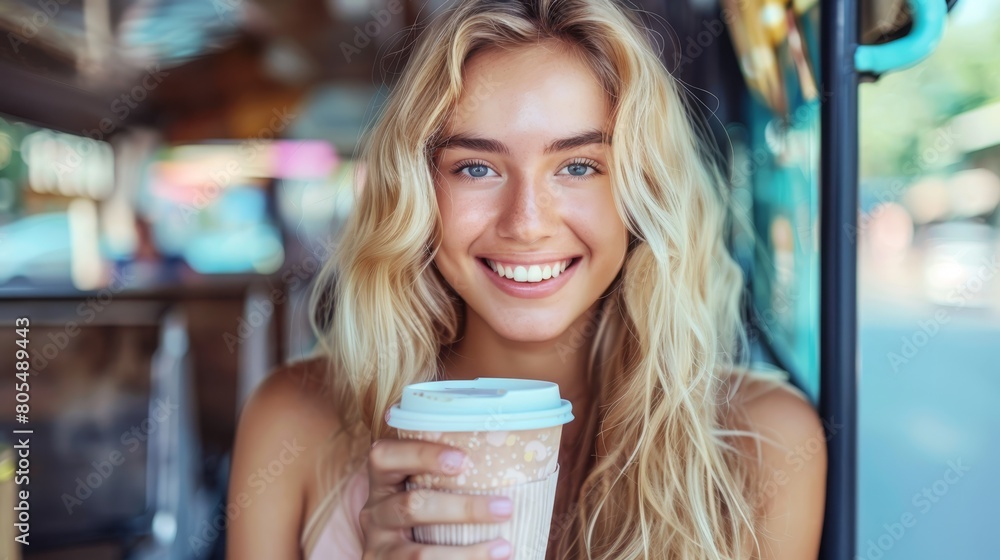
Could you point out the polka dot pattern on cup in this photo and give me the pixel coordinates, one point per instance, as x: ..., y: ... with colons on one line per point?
x: 495, y: 459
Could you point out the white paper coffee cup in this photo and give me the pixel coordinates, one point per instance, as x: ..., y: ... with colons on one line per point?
x: 510, y: 431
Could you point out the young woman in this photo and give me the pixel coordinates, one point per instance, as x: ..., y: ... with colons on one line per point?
x: 536, y: 204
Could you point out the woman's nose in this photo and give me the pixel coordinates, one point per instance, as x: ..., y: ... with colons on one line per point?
x: 530, y: 212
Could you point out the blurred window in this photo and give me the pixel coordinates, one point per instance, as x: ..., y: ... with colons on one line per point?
x: 776, y: 182
x: 51, y: 184
x: 929, y: 298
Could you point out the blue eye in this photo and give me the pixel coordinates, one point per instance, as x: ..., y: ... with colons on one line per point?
x: 478, y: 170
x: 581, y: 169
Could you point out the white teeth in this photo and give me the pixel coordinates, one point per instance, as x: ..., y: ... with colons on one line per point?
x: 529, y: 273
x: 534, y: 273
x: 559, y: 268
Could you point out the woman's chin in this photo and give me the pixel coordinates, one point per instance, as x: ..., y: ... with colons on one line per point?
x: 530, y: 331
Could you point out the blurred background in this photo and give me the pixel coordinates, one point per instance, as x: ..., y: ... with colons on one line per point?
x: 173, y: 173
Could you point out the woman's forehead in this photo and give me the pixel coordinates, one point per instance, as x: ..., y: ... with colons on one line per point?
x: 528, y: 89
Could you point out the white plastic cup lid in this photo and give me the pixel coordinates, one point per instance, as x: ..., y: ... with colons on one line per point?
x: 483, y: 404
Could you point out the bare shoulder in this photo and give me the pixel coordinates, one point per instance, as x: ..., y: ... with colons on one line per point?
x: 279, y: 442
x: 775, y: 409
x: 298, y: 391
x: 292, y: 403
x: 793, y: 463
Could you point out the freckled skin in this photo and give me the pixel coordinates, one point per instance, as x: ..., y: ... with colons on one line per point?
x: 528, y: 201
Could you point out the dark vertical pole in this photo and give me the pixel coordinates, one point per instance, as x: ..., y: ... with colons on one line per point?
x: 838, y: 278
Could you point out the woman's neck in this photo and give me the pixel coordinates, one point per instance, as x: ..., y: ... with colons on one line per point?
x: 482, y: 353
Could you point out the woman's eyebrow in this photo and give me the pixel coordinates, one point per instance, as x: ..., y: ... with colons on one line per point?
x: 585, y: 138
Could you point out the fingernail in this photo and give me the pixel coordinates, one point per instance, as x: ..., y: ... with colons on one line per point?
x: 501, y: 550
x: 452, y: 460
x: 501, y: 506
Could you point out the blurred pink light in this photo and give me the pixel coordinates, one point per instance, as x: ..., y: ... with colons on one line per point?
x: 304, y: 159
x: 891, y: 230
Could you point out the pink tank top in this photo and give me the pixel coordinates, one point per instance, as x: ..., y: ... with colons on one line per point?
x: 341, y: 537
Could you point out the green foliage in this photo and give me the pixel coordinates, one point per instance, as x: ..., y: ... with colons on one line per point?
x: 901, y: 114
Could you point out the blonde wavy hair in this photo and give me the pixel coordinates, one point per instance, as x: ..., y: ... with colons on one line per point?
x: 665, y: 478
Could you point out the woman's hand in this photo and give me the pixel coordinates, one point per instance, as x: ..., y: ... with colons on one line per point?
x: 391, y: 511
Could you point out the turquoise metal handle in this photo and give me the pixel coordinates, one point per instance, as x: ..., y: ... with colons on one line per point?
x: 924, y: 36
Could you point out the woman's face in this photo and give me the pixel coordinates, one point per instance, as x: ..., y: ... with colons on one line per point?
x: 523, y: 184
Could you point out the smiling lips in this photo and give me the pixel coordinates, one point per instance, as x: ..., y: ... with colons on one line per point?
x: 529, y: 273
